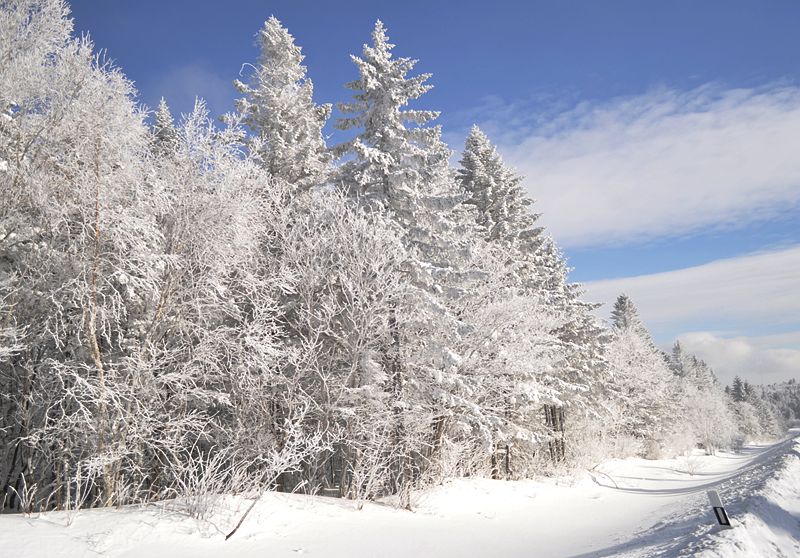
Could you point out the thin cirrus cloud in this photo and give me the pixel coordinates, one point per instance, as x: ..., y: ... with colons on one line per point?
x: 662, y: 164
x: 730, y: 300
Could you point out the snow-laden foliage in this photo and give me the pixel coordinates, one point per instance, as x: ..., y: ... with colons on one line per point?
x: 532, y: 269
x: 762, y: 411
x: 189, y: 309
x: 785, y: 399
x: 279, y: 109
x: 704, y: 411
x: 639, y: 378
x: 399, y: 168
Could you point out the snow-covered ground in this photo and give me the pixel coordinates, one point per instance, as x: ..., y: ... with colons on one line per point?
x: 630, y: 507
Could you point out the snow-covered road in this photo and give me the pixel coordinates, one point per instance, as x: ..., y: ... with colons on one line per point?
x: 684, y: 523
x: 631, y: 507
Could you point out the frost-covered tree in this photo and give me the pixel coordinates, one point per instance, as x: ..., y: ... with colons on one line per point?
x: 690, y: 369
x: 165, y: 134
x: 145, y: 340
x: 583, y: 338
x: 215, y: 338
x: 510, y: 355
x: 640, y: 379
x: 709, y: 418
x: 341, y: 265
x: 399, y: 166
x: 278, y: 107
x: 79, y: 237
x: 534, y: 267
x: 625, y: 315
x: 785, y: 398
x: 704, y: 412
x: 502, y: 209
x: 770, y: 421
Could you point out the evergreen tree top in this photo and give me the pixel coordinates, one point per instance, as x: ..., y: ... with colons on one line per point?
x: 278, y: 106
x: 625, y: 315
x: 280, y: 58
x: 382, y: 91
x: 399, y: 162
x: 165, y: 134
x: 496, y: 193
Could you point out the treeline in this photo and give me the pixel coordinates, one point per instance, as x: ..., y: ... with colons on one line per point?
x: 193, y: 308
x: 781, y: 400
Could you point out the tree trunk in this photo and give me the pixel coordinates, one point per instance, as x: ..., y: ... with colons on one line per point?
x: 554, y: 420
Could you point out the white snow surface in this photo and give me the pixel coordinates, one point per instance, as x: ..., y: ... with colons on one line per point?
x: 631, y: 507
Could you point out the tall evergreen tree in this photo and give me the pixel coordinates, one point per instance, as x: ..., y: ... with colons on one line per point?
x: 640, y: 378
x: 625, y: 315
x: 400, y: 166
x: 679, y: 361
x: 278, y: 107
x: 534, y: 267
x: 737, y: 390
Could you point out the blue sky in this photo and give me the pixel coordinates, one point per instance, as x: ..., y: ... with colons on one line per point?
x: 659, y: 138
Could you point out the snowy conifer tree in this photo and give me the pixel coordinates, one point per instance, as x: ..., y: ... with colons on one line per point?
x: 165, y: 134
x: 278, y: 107
x: 640, y: 379
x: 704, y: 414
x: 535, y: 268
x: 502, y: 208
x: 400, y: 167
x: 626, y: 316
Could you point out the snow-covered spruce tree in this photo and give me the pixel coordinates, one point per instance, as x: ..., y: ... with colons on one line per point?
x: 534, y: 268
x: 278, y: 107
x: 785, y: 399
x: 679, y: 361
x: 640, y: 381
x: 770, y: 422
x: 503, y: 219
x: 165, y: 134
x: 625, y: 316
x: 502, y: 209
x: 400, y: 167
x: 510, y: 352
x: 581, y: 374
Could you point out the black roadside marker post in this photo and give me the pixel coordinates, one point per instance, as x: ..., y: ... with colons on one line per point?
x: 719, y: 511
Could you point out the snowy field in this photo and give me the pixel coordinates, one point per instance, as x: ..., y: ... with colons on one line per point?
x: 631, y: 507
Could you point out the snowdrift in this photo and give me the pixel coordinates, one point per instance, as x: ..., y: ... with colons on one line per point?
x: 631, y: 507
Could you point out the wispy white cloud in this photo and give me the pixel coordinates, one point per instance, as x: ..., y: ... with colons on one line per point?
x: 731, y: 300
x: 666, y: 163
x: 744, y: 357
x: 739, y: 295
x: 181, y: 85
